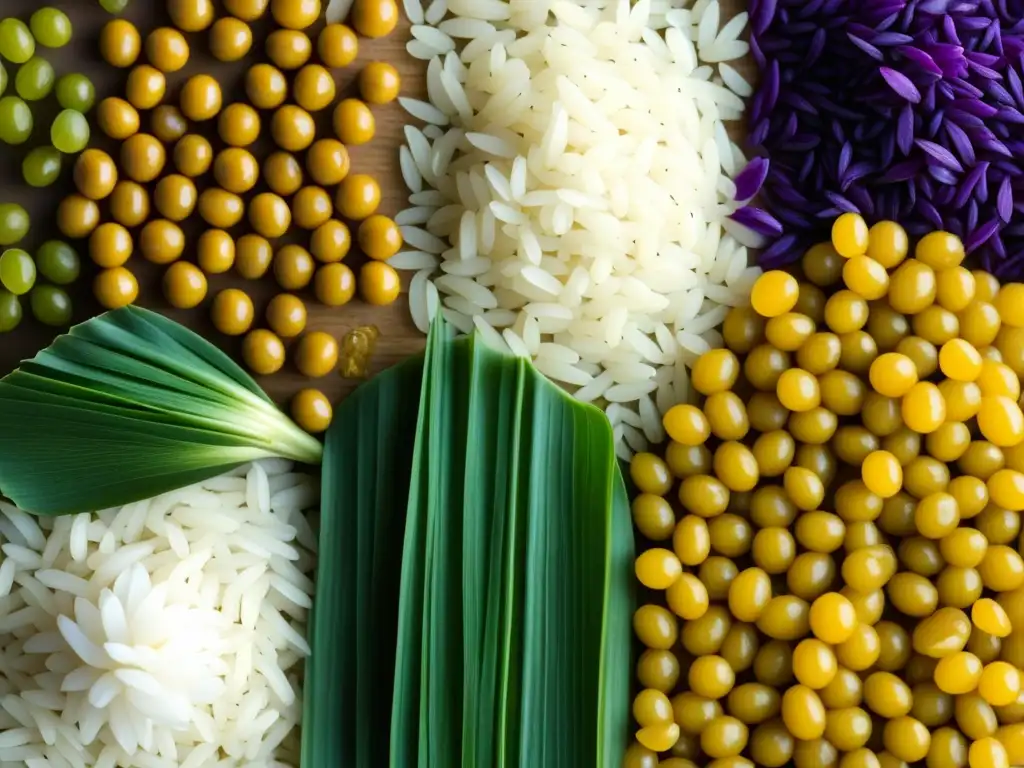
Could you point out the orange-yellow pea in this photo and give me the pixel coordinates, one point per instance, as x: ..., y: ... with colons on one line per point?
x: 990, y: 617
x: 865, y: 277
x: 954, y: 288
x: 882, y: 474
x: 922, y: 408
x: 892, y: 374
x: 774, y: 293
x: 1001, y: 421
x: 997, y: 378
x: 798, y: 390
x: 959, y: 360
x: 1006, y: 489
x: 888, y: 243
x: 940, y: 250
x: 850, y: 235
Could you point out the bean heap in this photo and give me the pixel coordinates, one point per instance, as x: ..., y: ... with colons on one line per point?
x: 168, y: 173
x: 832, y: 570
x: 56, y: 262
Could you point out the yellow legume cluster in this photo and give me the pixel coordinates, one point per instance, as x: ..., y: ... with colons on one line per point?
x: 833, y: 573
x: 304, y: 185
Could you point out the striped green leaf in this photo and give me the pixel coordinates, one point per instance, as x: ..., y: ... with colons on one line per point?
x: 129, y: 405
x: 368, y: 458
x: 512, y: 616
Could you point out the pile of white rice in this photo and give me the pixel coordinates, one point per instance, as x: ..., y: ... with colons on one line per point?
x: 164, y: 634
x: 571, y: 187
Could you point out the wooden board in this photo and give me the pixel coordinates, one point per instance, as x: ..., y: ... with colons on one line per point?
x: 398, y: 337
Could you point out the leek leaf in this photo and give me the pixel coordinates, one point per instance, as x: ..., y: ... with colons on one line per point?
x: 353, y: 624
x: 129, y: 405
x: 487, y: 480
x: 27, y: 386
x: 507, y: 640
x: 404, y: 727
x: 534, y: 688
x: 617, y: 662
x: 440, y: 727
x: 200, y: 360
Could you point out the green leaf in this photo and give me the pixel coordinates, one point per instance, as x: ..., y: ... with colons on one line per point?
x: 526, y: 638
x: 353, y: 624
x: 487, y: 479
x: 129, y: 405
x: 617, y: 663
x: 405, y: 708
x: 195, y: 356
x: 510, y: 626
x: 440, y: 732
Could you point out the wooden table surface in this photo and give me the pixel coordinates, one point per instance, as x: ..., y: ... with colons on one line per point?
x: 398, y: 337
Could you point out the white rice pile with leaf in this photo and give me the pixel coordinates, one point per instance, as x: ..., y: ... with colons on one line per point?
x: 164, y: 634
x: 572, y: 185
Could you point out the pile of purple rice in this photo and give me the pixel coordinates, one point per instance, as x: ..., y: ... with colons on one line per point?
x: 909, y: 110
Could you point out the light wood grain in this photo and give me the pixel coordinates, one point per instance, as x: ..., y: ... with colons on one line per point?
x: 398, y: 337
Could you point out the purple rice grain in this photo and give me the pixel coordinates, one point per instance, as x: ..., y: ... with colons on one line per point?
x: 908, y: 109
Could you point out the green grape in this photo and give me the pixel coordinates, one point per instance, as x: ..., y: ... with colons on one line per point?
x: 35, y: 79
x: 114, y: 6
x: 76, y: 92
x: 58, y: 262
x: 16, y: 42
x: 41, y: 167
x: 3, y: 78
x: 51, y: 305
x: 14, y: 223
x: 15, y: 120
x: 10, y: 311
x: 70, y: 132
x: 52, y: 28
x: 17, y: 271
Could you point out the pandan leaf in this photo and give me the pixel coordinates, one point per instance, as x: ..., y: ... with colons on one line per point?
x: 127, y: 406
x: 550, y: 673
x: 511, y: 623
x: 368, y: 458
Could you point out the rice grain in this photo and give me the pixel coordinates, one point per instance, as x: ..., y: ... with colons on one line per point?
x: 585, y: 180
x: 128, y: 631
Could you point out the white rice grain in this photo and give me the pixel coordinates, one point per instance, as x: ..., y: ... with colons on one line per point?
x: 515, y: 343
x: 456, y: 94
x: 634, y: 438
x: 7, y: 571
x: 413, y: 11
x: 418, y: 215
x: 337, y: 10
x: 735, y: 81
x: 462, y: 305
x: 490, y: 336
x: 463, y: 323
x: 414, y: 260
x: 471, y: 267
x: 422, y: 240
x: 26, y: 525
x: 433, y: 37
x: 543, y: 281
x: 558, y: 352
x: 491, y: 145
x: 410, y: 173
x: 110, y: 549
x: 468, y: 289
x: 586, y: 223
x: 562, y: 372
x: 627, y: 393
x: 466, y: 28
x: 421, y: 110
